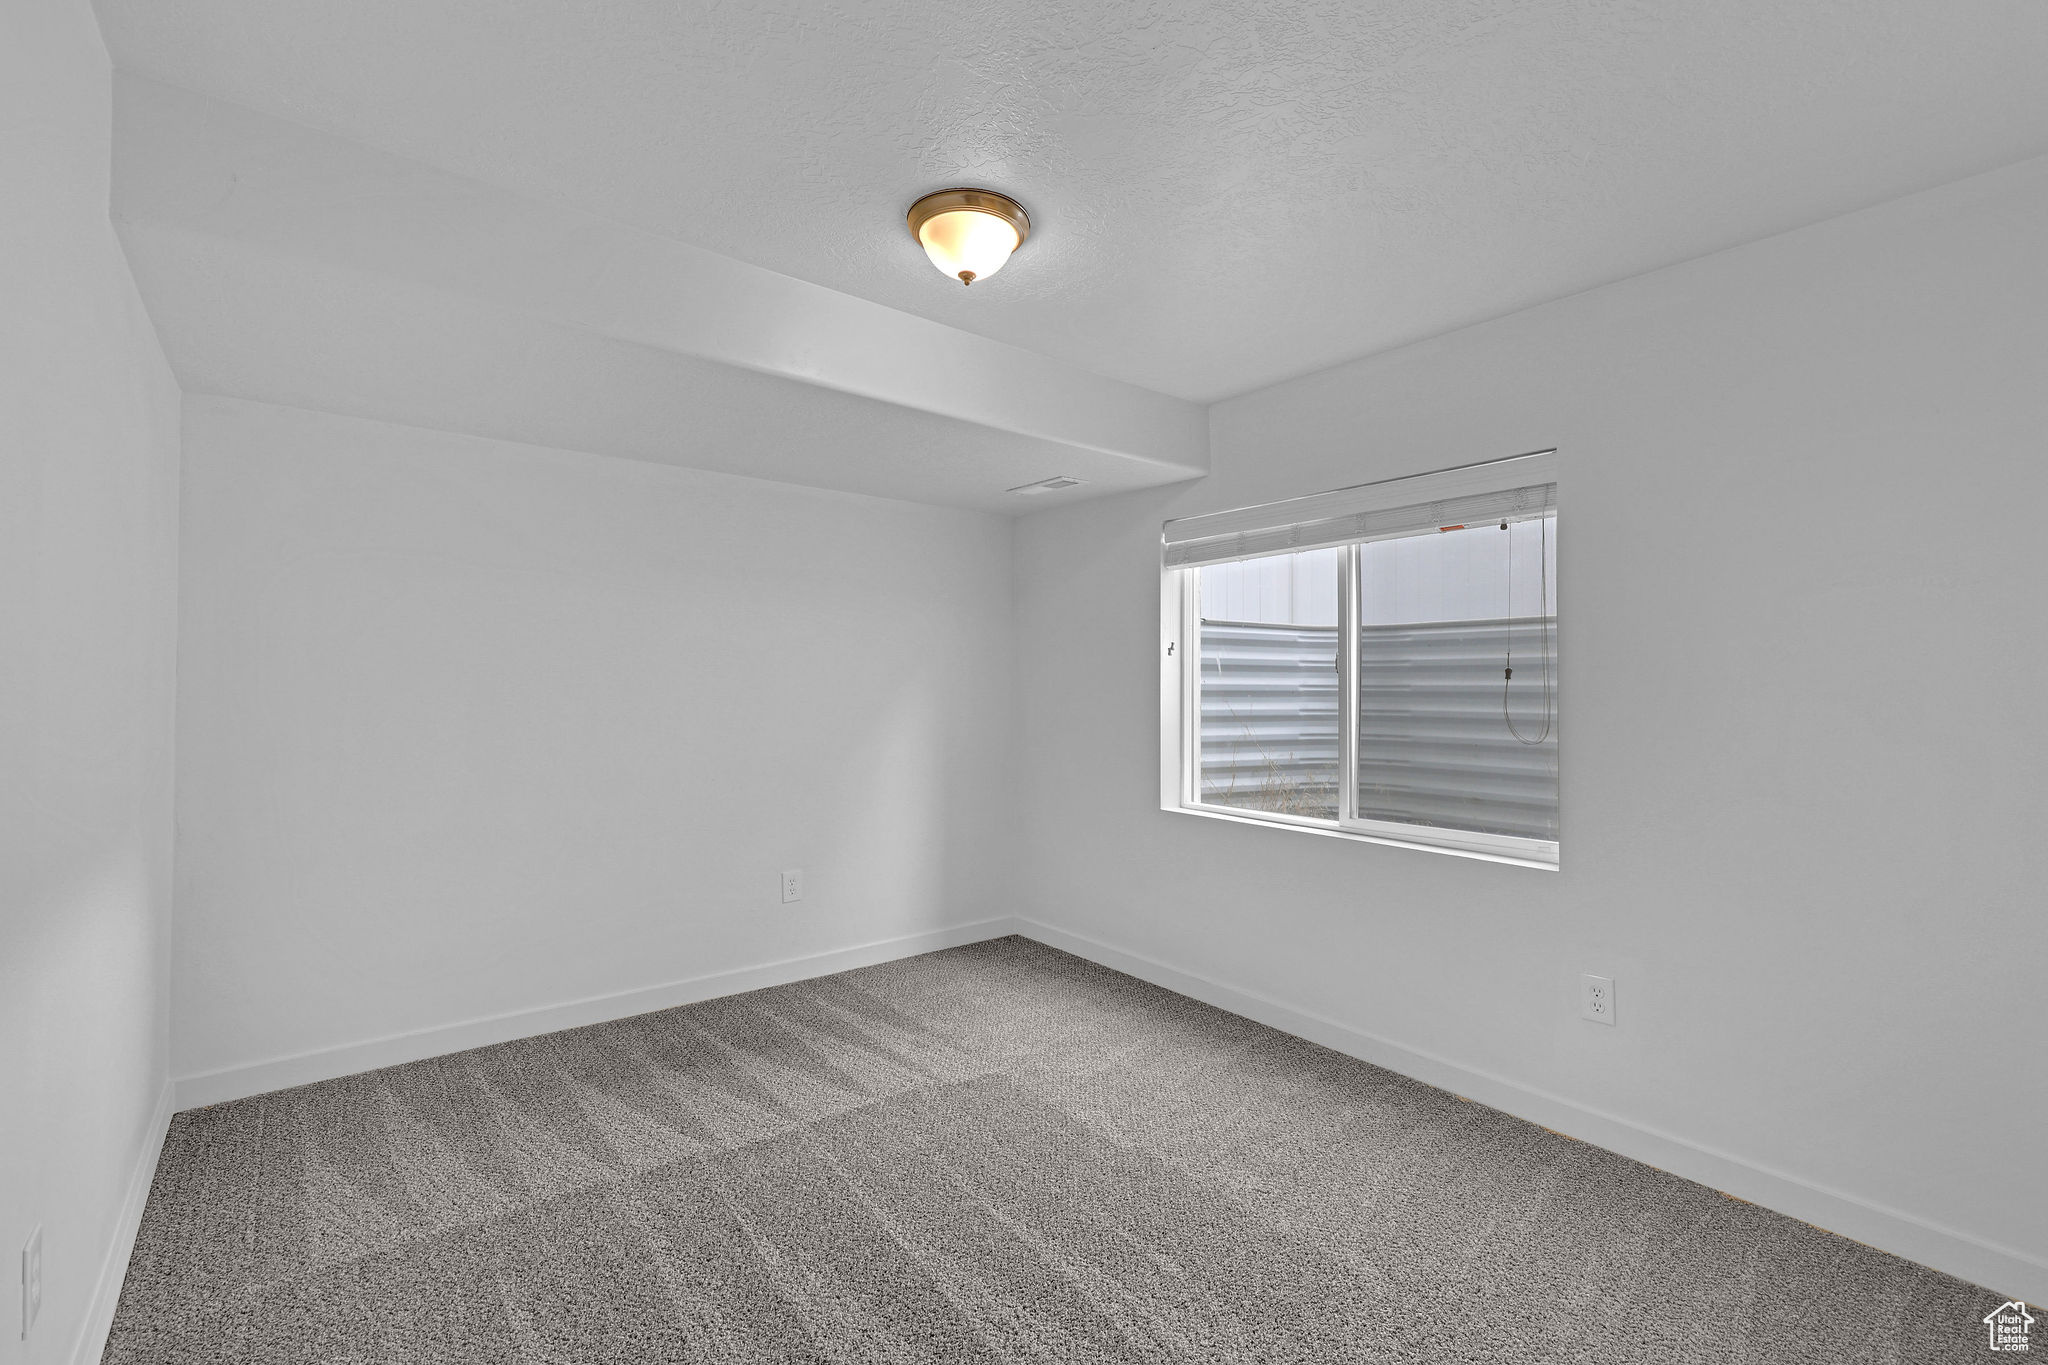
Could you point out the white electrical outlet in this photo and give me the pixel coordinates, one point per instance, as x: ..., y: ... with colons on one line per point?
x: 31, y: 1280
x: 1596, y: 998
x: 792, y: 884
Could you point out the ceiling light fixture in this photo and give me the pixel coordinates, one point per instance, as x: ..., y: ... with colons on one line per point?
x: 969, y: 234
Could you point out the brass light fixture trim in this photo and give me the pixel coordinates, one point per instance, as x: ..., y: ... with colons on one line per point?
x: 956, y: 253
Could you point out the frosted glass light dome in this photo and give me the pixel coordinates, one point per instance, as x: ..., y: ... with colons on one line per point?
x: 968, y: 234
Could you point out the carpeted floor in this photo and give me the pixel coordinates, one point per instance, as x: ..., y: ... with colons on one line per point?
x: 996, y: 1153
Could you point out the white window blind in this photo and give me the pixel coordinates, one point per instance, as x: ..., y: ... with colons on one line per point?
x: 1515, y: 489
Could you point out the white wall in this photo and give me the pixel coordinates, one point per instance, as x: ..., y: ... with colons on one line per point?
x: 88, y: 548
x: 471, y: 728
x: 1803, y: 655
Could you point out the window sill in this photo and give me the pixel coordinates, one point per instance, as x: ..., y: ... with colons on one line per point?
x: 1533, y: 858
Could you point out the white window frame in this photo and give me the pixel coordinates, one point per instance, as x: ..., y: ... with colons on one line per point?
x: 1180, y: 683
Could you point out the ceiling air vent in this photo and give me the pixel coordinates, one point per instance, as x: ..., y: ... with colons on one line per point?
x: 1051, y: 485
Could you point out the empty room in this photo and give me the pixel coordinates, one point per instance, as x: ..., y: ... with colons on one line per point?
x: 790, y: 681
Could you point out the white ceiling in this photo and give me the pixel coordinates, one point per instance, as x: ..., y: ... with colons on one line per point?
x: 1224, y: 194
x: 295, y: 267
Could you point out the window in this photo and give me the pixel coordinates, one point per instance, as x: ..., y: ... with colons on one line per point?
x: 1379, y: 662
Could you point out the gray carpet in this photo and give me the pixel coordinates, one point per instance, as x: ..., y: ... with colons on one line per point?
x: 996, y: 1153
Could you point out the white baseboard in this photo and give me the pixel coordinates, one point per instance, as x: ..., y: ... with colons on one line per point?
x: 2009, y: 1272
x: 233, y: 1083
x: 106, y: 1290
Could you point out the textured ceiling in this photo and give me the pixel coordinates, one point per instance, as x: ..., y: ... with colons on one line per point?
x: 295, y: 267
x: 1223, y: 194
